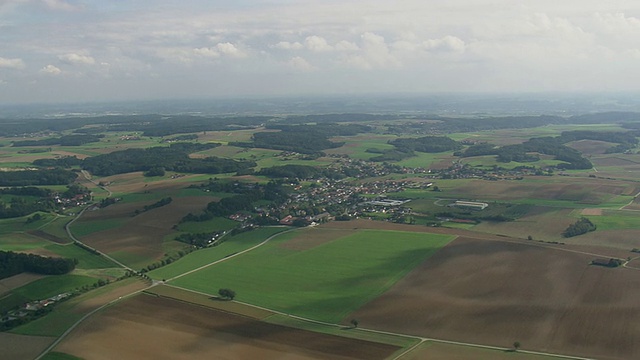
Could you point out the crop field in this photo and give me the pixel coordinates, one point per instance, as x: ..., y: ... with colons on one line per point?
x: 554, y: 221
x: 543, y: 191
x: 215, y: 224
x: 86, y: 260
x: 551, y: 300
x: 20, y: 347
x: 356, y: 146
x: 434, y: 350
x: 490, y: 161
x: 134, y: 328
x: 206, y: 256
x: 21, y: 242
x: 43, y: 288
x: 139, y: 240
x: 70, y: 311
x: 330, y: 280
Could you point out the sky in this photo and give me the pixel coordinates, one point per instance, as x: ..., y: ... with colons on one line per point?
x: 91, y: 51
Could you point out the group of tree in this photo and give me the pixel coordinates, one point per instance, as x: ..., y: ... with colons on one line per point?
x: 196, y: 239
x: 160, y: 203
x: 527, y: 152
x: 54, y: 176
x: 12, y: 263
x: 19, y: 206
x: 62, y: 162
x: 245, y: 200
x: 427, y: 144
x: 582, y: 226
x: 226, y: 294
x: 172, y: 158
x: 303, y: 139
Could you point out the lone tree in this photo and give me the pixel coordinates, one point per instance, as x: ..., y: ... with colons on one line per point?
x: 516, y: 345
x: 354, y: 322
x: 227, y: 294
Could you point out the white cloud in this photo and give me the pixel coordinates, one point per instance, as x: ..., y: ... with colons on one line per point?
x: 221, y: 49
x: 346, y: 46
x: 374, y: 53
x: 317, y: 44
x: 229, y: 49
x: 445, y: 44
x: 207, y: 52
x: 51, y: 70
x: 285, y: 45
x: 300, y: 64
x: 12, y: 63
x: 77, y: 59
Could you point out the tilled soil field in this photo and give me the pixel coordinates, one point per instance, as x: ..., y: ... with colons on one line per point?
x: 495, y: 293
x: 148, y: 327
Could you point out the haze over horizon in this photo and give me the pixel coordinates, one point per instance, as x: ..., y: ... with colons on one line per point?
x: 77, y: 51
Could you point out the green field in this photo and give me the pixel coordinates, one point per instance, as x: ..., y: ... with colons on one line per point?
x: 616, y: 220
x: 59, y: 356
x: 329, y: 281
x: 215, y: 224
x: 206, y: 256
x: 86, y: 260
x: 21, y: 242
x: 84, y: 228
x: 42, y: 289
x: 67, y: 313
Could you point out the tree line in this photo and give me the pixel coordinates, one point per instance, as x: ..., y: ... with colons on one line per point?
x: 54, y: 176
x: 172, y: 158
x: 12, y: 263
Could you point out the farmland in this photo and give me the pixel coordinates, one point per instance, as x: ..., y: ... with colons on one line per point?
x: 312, y: 275
x: 326, y: 271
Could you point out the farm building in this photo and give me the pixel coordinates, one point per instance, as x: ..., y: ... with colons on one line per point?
x: 471, y: 204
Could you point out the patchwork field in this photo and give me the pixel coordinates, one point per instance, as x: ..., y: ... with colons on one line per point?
x: 137, y: 240
x: 133, y: 329
x: 23, y: 347
x: 494, y: 292
x: 335, y: 273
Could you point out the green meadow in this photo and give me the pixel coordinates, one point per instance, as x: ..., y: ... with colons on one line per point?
x: 84, y: 228
x: 329, y: 281
x: 231, y: 245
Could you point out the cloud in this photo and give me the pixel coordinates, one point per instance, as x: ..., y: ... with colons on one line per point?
x: 12, y: 63
x: 285, y: 45
x: 300, y: 64
x: 445, y: 44
x: 59, y: 5
x: 374, y: 53
x: 51, y: 70
x: 317, y: 44
x: 346, y: 46
x: 207, y: 52
x: 221, y: 49
x: 77, y: 59
x: 229, y: 49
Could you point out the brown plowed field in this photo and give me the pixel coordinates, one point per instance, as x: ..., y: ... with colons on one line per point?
x: 22, y: 347
x: 494, y: 292
x: 16, y: 281
x: 144, y: 233
x: 147, y: 327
